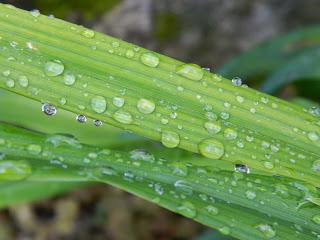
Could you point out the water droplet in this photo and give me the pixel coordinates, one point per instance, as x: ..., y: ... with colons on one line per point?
x: 88, y: 33
x: 316, y: 166
x: 211, y: 148
x: 97, y: 123
x: 145, y: 106
x: 225, y: 230
x: 81, y: 118
x: 48, y: 109
x: 98, y: 104
x: 14, y: 170
x: 35, y: 12
x: 10, y: 83
x: 241, y: 168
x: 184, y: 187
x: 236, y: 81
x: 34, y: 149
x: 187, y: 209
x: 69, y: 79
x: 266, y: 230
x: 250, y: 195
x: 190, y: 71
x: 53, y: 68
x: 268, y: 165
x: 170, y: 139
x: 123, y: 117
x: 316, y: 219
x: 141, y: 154
x: 118, y: 101
x: 129, y: 53
x: 212, y: 127
x: 150, y: 59
x: 23, y: 81
x: 313, y: 136
x: 230, y: 134
x: 60, y: 140
x: 212, y: 210
x: 240, y: 99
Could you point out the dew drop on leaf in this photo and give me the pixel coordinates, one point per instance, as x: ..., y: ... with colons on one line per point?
x: 98, y: 104
x: 81, y: 118
x: 14, y: 170
x: 88, y: 33
x: 212, y: 127
x: 118, y: 101
x: 145, y: 106
x: 170, y: 139
x: 190, y: 71
x: 211, y: 148
x: 266, y: 230
x: 97, y: 123
x: 187, y: 209
x: 23, y: 81
x: 53, y: 68
x: 123, y: 117
x: 34, y: 149
x: 69, y: 78
x: 48, y: 109
x: 150, y: 59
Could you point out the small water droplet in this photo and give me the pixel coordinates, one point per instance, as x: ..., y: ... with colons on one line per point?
x: 187, y: 209
x: 35, y: 12
x: 316, y: 219
x: 230, y: 134
x: 118, y: 101
x: 184, y: 187
x: 212, y: 210
x: 212, y: 127
x: 88, y: 33
x: 69, y: 79
x: 250, y: 195
x: 10, y: 83
x: 48, y: 109
x: 23, y: 81
x: 141, y: 154
x: 81, y: 118
x: 53, y: 68
x: 241, y: 168
x: 97, y: 123
x: 129, y: 53
x: 170, y: 139
x: 236, y: 81
x: 190, y: 71
x: 150, y: 59
x: 34, y: 149
x: 266, y: 230
x: 225, y: 230
x: 145, y: 106
x: 98, y: 104
x: 211, y: 148
x: 316, y: 166
x: 123, y: 117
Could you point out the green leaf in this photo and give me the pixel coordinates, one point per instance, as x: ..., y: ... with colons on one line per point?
x: 164, y: 99
x: 232, y: 202
x: 270, y: 55
x: 303, y: 67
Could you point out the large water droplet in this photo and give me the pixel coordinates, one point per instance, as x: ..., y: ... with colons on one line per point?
x: 211, y: 148
x: 14, y: 170
x: 48, y: 109
x: 170, y: 139
x: 98, y: 104
x: 53, y: 68
x: 123, y: 117
x: 190, y: 71
x: 266, y: 230
x: 150, y: 59
x: 145, y: 106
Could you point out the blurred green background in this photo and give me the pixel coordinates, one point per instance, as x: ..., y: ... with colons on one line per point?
x: 206, y: 32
